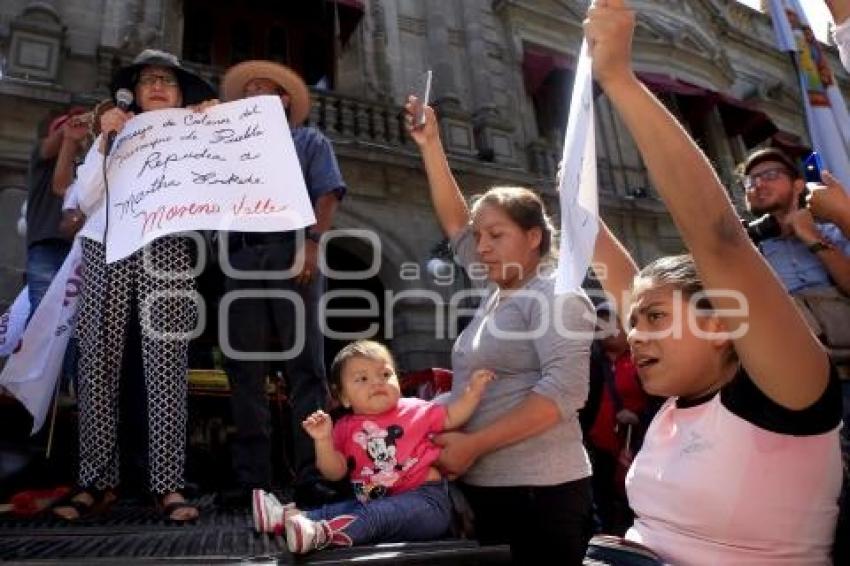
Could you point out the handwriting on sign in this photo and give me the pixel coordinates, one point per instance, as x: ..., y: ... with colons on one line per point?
x: 212, y: 178
x: 157, y: 161
x: 181, y: 170
x: 128, y: 205
x: 195, y: 119
x: 148, y: 145
x: 247, y: 207
x: 154, y: 220
x: 252, y: 111
x: 229, y: 135
x: 140, y: 133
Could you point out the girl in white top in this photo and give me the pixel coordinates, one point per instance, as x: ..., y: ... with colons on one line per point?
x: 742, y: 464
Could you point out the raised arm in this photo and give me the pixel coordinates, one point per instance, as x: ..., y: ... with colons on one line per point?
x: 617, y: 268
x: 448, y: 201
x: 74, y: 132
x: 330, y: 463
x: 794, y: 376
x: 840, y: 10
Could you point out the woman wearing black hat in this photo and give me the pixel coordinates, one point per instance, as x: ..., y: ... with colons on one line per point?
x: 155, y: 284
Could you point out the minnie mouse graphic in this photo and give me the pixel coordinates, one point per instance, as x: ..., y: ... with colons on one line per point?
x: 379, y: 444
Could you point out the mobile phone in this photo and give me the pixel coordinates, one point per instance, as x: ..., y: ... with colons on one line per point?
x: 812, y: 167
x: 423, y: 97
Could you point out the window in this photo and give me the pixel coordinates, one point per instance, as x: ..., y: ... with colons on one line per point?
x: 301, y: 35
x: 548, y: 79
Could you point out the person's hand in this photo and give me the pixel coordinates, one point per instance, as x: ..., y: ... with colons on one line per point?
x: 422, y: 134
x: 112, y: 121
x: 627, y: 417
x: 459, y: 452
x: 318, y: 425
x: 310, y: 265
x: 802, y: 224
x: 76, y: 128
x: 479, y: 380
x: 609, y: 27
x: 70, y: 223
x: 828, y: 201
x: 203, y: 106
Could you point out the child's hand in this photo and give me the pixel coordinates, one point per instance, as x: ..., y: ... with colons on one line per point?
x: 479, y: 380
x: 318, y: 425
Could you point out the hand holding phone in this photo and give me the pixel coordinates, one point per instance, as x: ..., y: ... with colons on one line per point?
x: 812, y: 167
x: 424, y: 97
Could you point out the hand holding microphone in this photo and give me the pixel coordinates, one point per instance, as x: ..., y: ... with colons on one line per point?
x: 113, y: 120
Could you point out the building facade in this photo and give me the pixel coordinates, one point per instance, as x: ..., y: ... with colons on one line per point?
x: 502, y: 76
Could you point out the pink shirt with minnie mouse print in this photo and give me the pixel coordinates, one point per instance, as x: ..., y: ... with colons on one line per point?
x: 391, y: 452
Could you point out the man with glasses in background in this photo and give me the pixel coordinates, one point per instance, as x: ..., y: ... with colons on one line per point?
x: 812, y: 259
x: 804, y: 253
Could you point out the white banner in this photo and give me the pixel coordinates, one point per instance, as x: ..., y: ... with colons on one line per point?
x: 31, y: 372
x: 233, y: 167
x: 826, y: 113
x: 13, y: 322
x: 578, y: 190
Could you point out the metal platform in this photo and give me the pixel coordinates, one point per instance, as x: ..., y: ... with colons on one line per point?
x: 133, y: 533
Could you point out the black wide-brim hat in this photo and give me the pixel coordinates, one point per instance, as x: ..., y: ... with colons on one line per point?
x: 193, y: 88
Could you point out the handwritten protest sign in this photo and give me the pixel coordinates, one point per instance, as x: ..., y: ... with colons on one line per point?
x: 578, y: 190
x: 233, y: 167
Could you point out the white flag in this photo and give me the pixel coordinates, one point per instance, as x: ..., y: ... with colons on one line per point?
x: 31, y: 372
x: 13, y: 322
x: 826, y: 112
x: 578, y: 190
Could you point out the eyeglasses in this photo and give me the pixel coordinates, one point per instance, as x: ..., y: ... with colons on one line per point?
x: 150, y: 80
x: 772, y: 174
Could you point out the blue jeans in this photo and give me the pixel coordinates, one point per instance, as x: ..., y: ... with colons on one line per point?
x: 418, y: 515
x: 43, y: 262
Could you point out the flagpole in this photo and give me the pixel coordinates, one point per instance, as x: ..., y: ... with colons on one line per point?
x: 795, y: 64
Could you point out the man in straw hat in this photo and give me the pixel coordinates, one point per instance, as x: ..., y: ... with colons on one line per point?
x: 255, y: 323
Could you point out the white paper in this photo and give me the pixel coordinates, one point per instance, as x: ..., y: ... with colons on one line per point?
x: 233, y: 167
x: 578, y: 190
x: 13, y: 322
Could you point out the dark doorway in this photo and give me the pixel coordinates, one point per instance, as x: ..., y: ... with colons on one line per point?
x: 301, y: 34
x: 341, y: 259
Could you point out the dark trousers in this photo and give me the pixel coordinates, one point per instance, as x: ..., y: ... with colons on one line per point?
x: 269, y: 324
x: 542, y: 524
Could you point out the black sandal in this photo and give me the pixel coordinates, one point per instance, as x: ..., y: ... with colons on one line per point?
x: 167, y: 510
x: 102, y: 500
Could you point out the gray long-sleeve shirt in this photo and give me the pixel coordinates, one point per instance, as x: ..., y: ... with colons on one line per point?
x: 536, y: 342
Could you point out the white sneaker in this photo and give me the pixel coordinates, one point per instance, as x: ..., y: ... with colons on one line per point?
x: 269, y: 513
x: 304, y: 535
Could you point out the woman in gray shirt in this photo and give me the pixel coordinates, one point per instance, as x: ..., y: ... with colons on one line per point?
x: 521, y: 460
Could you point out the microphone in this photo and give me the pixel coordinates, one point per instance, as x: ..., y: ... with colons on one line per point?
x: 123, y: 99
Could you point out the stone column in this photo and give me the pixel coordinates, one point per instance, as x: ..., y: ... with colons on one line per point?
x: 444, y: 86
x: 483, y: 105
x: 116, y: 15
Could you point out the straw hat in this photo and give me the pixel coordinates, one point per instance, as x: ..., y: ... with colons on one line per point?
x: 234, y: 81
x: 193, y: 88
